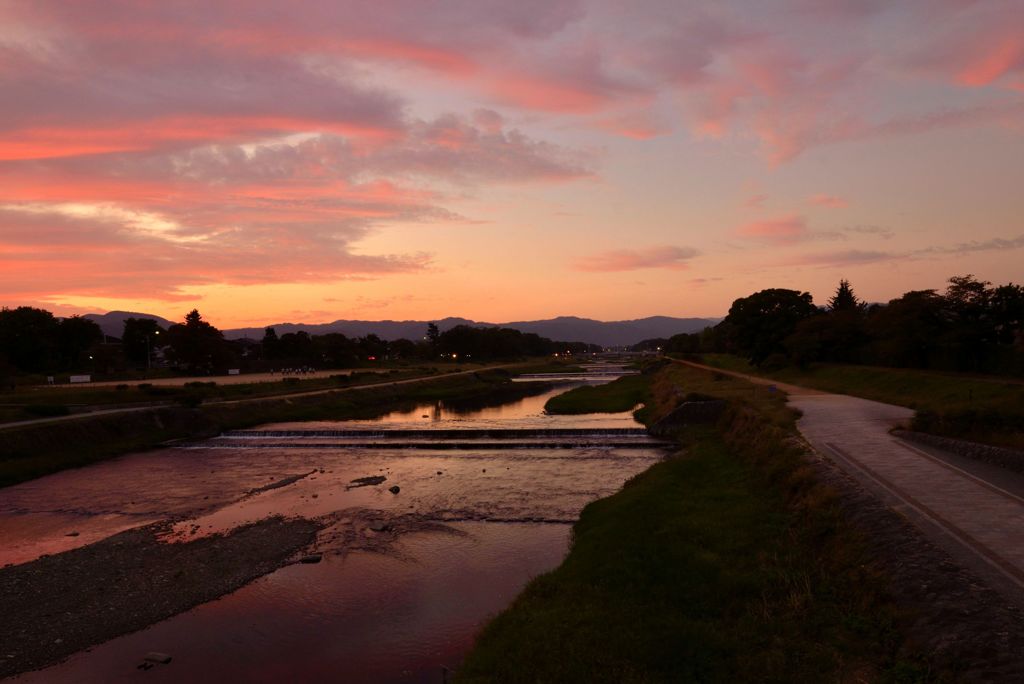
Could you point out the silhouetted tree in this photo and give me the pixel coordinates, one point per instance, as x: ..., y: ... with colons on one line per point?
x: 75, y: 337
x: 28, y: 338
x: 970, y: 330
x: 403, y: 349
x: 336, y: 349
x: 844, y: 299
x: 297, y: 349
x: 196, y: 344
x: 139, y: 337
x: 1007, y: 310
x: 904, y: 332
x: 271, y: 345
x: 372, y: 346
x: 837, y: 334
x: 759, y: 324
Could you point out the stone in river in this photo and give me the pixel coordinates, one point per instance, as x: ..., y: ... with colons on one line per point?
x: 157, y: 657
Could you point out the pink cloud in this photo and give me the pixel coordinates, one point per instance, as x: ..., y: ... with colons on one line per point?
x: 104, y: 250
x: 276, y: 140
x: 154, y: 222
x: 666, y: 257
x: 830, y: 201
x: 638, y: 125
x: 979, y: 47
x: 739, y: 73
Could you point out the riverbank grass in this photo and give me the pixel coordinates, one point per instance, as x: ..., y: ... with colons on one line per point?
x: 617, y: 396
x: 726, y: 562
x: 690, y: 573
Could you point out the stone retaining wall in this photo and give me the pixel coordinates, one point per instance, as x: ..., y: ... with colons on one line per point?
x: 1011, y: 459
x: 689, y: 413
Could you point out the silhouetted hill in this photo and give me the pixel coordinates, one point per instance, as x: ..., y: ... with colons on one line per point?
x: 611, y: 333
x: 112, y: 322
x: 566, y: 328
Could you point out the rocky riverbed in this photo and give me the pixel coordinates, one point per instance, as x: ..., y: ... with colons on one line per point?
x: 57, y: 605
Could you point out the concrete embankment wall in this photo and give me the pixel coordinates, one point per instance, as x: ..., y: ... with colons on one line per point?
x: 1011, y: 459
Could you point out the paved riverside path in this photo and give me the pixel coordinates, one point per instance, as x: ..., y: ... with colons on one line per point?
x: 967, y: 514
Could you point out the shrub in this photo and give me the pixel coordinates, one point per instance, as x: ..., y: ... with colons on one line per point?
x: 48, y: 410
x: 190, y: 400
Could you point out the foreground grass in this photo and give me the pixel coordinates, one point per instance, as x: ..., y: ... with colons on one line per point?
x: 725, y: 563
x: 617, y: 396
x: 982, y: 409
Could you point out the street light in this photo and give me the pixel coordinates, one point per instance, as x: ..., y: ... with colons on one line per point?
x: 149, y: 353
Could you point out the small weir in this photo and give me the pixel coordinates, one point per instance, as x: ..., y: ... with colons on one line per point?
x: 448, y: 440
x: 466, y: 433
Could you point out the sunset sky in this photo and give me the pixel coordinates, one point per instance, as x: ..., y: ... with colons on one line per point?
x: 309, y: 161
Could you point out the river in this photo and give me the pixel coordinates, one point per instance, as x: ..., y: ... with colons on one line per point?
x: 485, y: 502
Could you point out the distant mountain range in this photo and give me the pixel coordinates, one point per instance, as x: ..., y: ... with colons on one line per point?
x: 112, y: 322
x: 564, y: 328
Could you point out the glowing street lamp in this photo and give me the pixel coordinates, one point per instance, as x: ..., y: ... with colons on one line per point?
x: 149, y: 352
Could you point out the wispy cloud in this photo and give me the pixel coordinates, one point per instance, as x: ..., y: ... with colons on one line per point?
x: 879, y: 231
x: 975, y: 246
x: 782, y: 230
x: 855, y: 257
x: 666, y: 257
x: 830, y: 201
x: 849, y: 257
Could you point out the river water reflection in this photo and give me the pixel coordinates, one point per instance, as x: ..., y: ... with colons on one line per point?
x: 476, y: 524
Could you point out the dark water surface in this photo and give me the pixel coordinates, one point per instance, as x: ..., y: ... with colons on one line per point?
x: 468, y: 528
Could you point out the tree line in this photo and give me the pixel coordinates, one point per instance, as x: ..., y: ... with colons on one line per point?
x: 972, y: 326
x: 34, y: 341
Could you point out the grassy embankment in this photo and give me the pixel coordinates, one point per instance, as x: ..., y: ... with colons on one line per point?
x: 33, y: 451
x: 621, y: 394
x: 727, y: 562
x: 982, y: 409
x: 34, y: 401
